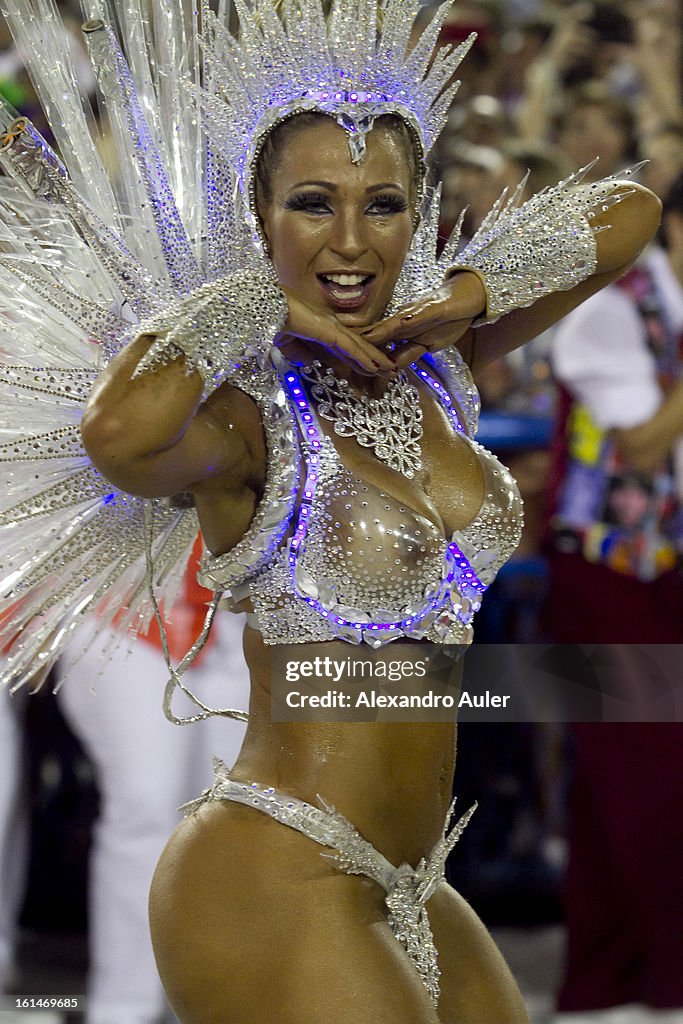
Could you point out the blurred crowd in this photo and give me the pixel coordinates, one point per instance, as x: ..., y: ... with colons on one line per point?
x: 549, y: 88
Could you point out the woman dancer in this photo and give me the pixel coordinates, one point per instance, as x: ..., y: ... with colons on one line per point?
x: 327, y: 450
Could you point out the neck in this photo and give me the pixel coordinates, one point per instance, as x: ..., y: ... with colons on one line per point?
x: 303, y: 353
x: 372, y: 385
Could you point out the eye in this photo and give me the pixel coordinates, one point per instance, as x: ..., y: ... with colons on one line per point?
x: 309, y: 202
x: 387, y: 203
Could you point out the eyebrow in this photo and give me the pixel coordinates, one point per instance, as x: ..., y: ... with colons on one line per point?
x: 331, y: 187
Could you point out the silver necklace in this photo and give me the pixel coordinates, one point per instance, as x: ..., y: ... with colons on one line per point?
x: 391, y: 425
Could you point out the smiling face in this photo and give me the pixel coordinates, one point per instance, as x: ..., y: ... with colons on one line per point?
x: 339, y: 233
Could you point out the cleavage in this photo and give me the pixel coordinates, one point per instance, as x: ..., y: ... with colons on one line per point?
x: 448, y: 491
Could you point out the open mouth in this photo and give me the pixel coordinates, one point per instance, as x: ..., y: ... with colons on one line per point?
x: 346, y: 291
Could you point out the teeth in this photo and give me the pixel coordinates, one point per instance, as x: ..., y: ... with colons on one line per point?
x: 345, y: 280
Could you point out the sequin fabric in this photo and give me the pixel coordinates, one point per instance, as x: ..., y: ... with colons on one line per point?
x: 223, y: 330
x: 407, y: 888
x: 391, y: 425
x: 527, y: 250
x: 91, y: 253
x: 368, y: 569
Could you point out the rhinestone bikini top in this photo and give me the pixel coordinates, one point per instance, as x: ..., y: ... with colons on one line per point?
x: 350, y: 562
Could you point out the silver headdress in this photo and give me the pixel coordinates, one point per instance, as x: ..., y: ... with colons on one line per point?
x: 360, y: 63
x: 89, y: 251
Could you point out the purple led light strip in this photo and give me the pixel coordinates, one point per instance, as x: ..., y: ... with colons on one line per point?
x: 347, y: 96
x: 443, y: 396
x: 460, y: 568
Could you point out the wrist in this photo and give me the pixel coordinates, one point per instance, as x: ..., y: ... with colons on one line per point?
x: 545, y: 245
x: 477, y: 296
x: 217, y: 327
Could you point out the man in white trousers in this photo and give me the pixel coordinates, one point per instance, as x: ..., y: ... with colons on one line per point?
x: 145, y: 769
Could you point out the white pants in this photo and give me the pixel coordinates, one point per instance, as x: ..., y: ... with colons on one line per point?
x: 146, y: 767
x: 13, y: 825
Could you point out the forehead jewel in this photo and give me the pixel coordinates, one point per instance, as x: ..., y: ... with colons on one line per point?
x: 359, y: 62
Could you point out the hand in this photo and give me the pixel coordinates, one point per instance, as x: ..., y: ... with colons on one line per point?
x: 433, y: 323
x: 657, y: 33
x: 324, y: 329
x: 571, y: 41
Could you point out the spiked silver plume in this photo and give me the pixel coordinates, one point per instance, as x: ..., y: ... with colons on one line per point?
x: 88, y: 252
x: 354, y: 65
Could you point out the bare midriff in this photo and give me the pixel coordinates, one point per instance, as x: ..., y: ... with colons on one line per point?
x: 392, y: 780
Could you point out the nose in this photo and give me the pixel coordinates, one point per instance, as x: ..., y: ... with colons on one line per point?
x: 349, y: 234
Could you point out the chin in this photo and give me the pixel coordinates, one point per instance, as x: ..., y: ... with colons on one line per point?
x: 357, y: 319
x: 362, y: 317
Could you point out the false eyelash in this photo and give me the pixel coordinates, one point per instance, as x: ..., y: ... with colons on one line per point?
x: 306, y: 201
x: 393, y: 202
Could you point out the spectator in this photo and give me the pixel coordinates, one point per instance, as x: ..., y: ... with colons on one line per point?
x: 593, y: 124
x: 615, y: 579
x: 663, y: 149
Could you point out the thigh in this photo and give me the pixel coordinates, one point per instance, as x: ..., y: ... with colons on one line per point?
x: 251, y: 924
x: 476, y: 984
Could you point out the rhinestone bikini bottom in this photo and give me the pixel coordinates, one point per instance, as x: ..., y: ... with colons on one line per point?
x: 407, y: 888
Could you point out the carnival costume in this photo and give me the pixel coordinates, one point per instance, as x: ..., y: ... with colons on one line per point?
x: 170, y: 245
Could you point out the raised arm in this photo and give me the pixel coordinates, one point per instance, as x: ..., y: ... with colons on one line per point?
x: 148, y: 434
x: 624, y: 230
x: 526, y: 269
x: 146, y: 425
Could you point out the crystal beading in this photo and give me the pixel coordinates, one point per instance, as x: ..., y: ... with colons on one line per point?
x: 300, y: 595
x: 391, y: 425
x: 407, y: 888
x: 527, y: 250
x: 89, y: 255
x: 218, y: 327
x: 359, y: 64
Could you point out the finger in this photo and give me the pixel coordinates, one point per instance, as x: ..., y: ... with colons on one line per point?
x: 435, y: 340
x: 435, y: 320
x: 405, y: 324
x: 409, y: 354
x: 328, y: 332
x: 454, y: 300
x: 365, y: 353
x: 354, y: 350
